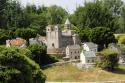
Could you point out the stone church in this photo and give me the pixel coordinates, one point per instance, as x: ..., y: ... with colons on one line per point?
x: 57, y: 40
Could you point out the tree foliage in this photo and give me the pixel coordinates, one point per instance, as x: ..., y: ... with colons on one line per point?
x: 56, y: 14
x: 40, y: 55
x: 26, y: 33
x: 94, y: 14
x: 108, y: 60
x: 99, y: 35
x: 102, y: 37
x: 3, y: 13
x: 16, y: 67
x: 113, y: 6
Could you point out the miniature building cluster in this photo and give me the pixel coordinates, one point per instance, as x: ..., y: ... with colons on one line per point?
x: 88, y: 54
x: 58, y: 40
x: 67, y: 43
x: 64, y: 43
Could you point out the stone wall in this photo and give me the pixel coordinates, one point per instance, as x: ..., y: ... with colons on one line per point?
x: 57, y: 51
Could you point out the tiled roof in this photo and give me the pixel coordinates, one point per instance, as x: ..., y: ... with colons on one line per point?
x: 17, y: 42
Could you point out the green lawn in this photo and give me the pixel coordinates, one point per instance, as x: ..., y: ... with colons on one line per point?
x: 69, y: 73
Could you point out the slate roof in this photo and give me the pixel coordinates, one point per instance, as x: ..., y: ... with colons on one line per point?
x: 90, y: 44
x: 89, y: 54
x: 73, y: 46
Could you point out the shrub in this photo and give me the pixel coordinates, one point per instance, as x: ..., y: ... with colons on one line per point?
x: 121, y: 39
x: 108, y: 60
x: 16, y: 67
x: 40, y: 56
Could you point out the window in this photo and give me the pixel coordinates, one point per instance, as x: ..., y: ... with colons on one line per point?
x: 71, y: 53
x: 75, y: 57
x: 52, y: 44
x: 48, y: 29
x: 88, y: 61
x: 78, y: 51
x: 56, y: 29
x: 75, y: 51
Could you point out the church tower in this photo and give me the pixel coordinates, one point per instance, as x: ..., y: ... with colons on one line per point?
x: 67, y: 25
x: 53, y: 36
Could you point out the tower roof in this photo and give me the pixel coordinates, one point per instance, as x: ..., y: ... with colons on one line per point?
x: 67, y: 21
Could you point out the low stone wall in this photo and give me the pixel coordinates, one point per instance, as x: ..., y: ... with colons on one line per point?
x: 59, y: 52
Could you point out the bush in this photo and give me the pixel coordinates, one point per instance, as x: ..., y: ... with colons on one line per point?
x: 108, y: 60
x: 26, y: 52
x: 16, y: 67
x: 121, y: 39
x: 40, y: 55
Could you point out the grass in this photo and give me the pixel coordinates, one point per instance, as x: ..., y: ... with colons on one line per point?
x: 69, y: 73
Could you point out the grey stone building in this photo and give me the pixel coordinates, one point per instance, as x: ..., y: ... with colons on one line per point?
x: 57, y: 40
x: 73, y: 52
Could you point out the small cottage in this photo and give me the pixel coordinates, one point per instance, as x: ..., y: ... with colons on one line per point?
x: 73, y: 52
x: 89, y: 46
x: 18, y: 42
x: 87, y: 57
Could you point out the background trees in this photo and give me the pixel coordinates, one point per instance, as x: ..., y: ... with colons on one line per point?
x: 99, y: 35
x: 102, y: 37
x: 94, y: 15
x: 3, y: 13
x: 26, y: 33
x: 56, y: 14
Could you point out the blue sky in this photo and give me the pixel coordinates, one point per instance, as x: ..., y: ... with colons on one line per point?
x: 69, y: 5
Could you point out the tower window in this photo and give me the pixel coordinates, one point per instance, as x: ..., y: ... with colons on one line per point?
x: 71, y: 53
x: 56, y: 29
x: 48, y: 29
x: 52, y: 44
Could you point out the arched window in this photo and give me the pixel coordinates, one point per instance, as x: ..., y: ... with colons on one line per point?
x: 71, y: 53
x: 53, y: 45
